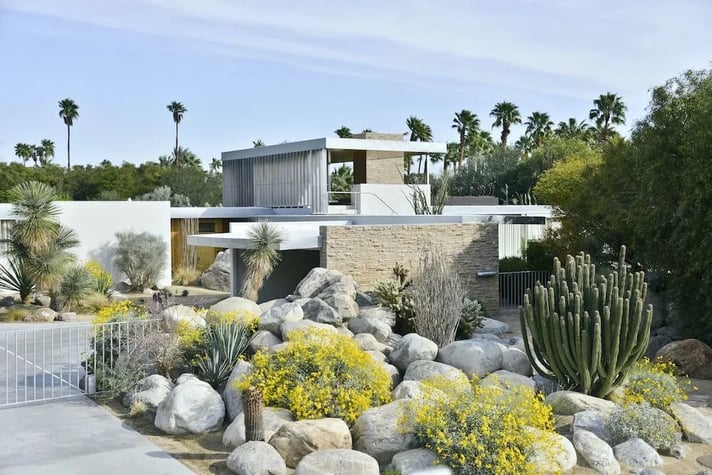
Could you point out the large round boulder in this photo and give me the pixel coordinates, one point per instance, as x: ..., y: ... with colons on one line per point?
x: 597, y: 454
x: 377, y: 433
x: 217, y: 276
x: 40, y: 314
x: 380, y: 329
x: 174, y: 315
x: 691, y: 357
x: 150, y: 391
x: 288, y: 328
x: 295, y: 440
x: 316, y: 281
x: 568, y: 403
x: 192, y: 407
x: 273, y: 319
x: 412, y: 347
x: 235, y: 305
x: 551, y: 453
x: 337, y: 462
x: 474, y: 357
x: 423, y: 370
x: 415, y: 461
x: 516, y: 361
x: 321, y: 312
x: 256, y: 458
x: 263, y: 340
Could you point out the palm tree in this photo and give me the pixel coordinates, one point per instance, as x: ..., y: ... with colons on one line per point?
x: 69, y: 112
x: 343, y: 132
x: 505, y: 115
x: 539, y: 126
x: 258, y: 143
x: 466, y: 123
x: 341, y: 180
x: 177, y: 109
x: 480, y: 143
x: 260, y: 258
x: 23, y: 151
x: 419, y: 132
x: 573, y: 129
x: 367, y: 131
x: 215, y: 166
x: 608, y: 110
x: 525, y: 144
x: 47, y: 152
x: 184, y: 158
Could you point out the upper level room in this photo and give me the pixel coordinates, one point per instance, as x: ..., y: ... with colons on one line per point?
x: 296, y: 174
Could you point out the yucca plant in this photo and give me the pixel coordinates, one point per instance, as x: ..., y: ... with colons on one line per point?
x: 76, y: 285
x: 15, y: 279
x: 225, y: 343
x: 261, y: 258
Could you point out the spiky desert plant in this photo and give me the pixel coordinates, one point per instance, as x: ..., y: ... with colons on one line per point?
x: 261, y: 258
x: 586, y: 333
x: 254, y: 414
x: 76, y: 285
x: 15, y: 279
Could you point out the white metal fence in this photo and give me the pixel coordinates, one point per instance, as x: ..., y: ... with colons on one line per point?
x: 513, y: 285
x: 62, y: 360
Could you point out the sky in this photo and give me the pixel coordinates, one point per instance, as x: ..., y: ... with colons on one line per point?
x: 284, y: 71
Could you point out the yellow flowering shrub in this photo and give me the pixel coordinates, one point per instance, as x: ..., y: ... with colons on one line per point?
x: 189, y: 336
x: 320, y: 374
x: 118, y: 311
x: 478, y: 430
x: 243, y: 316
x: 653, y: 382
x: 102, y: 278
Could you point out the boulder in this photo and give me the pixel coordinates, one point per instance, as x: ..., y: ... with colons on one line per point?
x: 185, y: 377
x: 597, y: 454
x: 492, y: 327
x: 317, y: 280
x: 319, y: 311
x: 344, y: 331
x: 379, y: 313
x: 266, y: 306
x: 345, y: 306
x: 263, y: 339
x: 695, y: 426
x: 376, y: 355
x: 42, y: 300
x: 295, y: 440
x: 256, y: 458
x: 474, y: 357
x: 289, y: 327
x: 680, y: 451
x: 568, y: 403
x: 192, y: 407
x: 415, y: 461
x: 151, y: 391
x: 217, y: 276
x: 592, y: 421
x: 380, y: 329
x: 40, y: 314
x: 508, y: 380
x: 337, y: 462
x: 423, y: 370
x: 273, y: 319
x: 7, y: 301
x: 235, y: 305
x: 393, y: 372
x: 376, y: 432
x: 409, y: 390
x: 551, y: 453
x: 650, y: 471
x: 231, y: 395
x: 272, y: 419
x: 66, y: 317
x: 544, y: 385
x: 368, y: 342
x: 691, y: 357
x: 636, y: 453
x: 345, y: 285
x: 516, y: 361
x: 412, y: 347
x: 655, y: 344
x: 364, y: 300
x: 174, y: 315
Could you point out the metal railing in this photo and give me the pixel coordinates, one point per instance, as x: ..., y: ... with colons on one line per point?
x: 63, y: 360
x: 370, y: 193
x: 513, y: 285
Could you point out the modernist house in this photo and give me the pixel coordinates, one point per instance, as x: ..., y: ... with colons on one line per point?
x: 367, y: 238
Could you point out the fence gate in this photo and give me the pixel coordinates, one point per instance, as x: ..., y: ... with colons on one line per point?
x: 56, y: 361
x: 513, y: 286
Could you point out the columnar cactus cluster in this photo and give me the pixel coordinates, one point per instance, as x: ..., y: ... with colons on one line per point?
x: 586, y: 332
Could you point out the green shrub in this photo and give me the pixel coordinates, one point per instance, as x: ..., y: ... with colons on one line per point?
x: 141, y: 256
x: 477, y: 429
x: 320, y: 374
x: 513, y: 264
x: 114, y: 380
x: 653, y: 425
x: 654, y: 383
x: 225, y: 343
x: 76, y: 285
x: 390, y: 293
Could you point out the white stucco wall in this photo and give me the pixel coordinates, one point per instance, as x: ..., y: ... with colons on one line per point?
x: 97, y: 222
x: 370, y: 199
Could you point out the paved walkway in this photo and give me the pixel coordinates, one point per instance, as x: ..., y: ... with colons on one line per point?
x: 76, y: 437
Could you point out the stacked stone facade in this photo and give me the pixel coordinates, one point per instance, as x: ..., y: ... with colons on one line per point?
x: 368, y: 253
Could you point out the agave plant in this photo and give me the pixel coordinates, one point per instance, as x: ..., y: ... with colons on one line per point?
x: 15, y: 279
x: 225, y: 343
x: 76, y: 285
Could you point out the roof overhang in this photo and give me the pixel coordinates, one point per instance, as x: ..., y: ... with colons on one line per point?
x: 337, y: 144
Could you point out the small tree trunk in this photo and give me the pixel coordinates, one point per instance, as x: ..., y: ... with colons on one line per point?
x: 253, y: 408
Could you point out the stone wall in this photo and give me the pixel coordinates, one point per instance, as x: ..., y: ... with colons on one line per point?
x: 368, y: 253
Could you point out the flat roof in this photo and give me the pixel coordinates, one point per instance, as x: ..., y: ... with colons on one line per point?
x: 335, y: 143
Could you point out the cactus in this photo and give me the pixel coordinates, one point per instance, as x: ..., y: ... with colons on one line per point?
x: 252, y: 405
x: 586, y: 332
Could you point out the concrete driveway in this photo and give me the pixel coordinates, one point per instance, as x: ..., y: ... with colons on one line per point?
x: 76, y: 437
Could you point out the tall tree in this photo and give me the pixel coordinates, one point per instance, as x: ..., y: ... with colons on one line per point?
x: 69, y: 112
x: 419, y: 132
x: 23, y: 151
x: 608, y: 110
x: 177, y: 109
x: 215, y: 166
x: 466, y: 123
x: 48, y: 151
x: 343, y: 132
x: 525, y: 144
x: 258, y: 143
x: 573, y: 129
x: 505, y: 115
x: 539, y: 127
